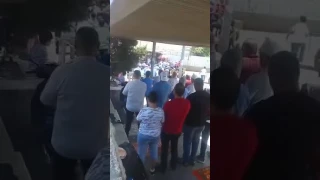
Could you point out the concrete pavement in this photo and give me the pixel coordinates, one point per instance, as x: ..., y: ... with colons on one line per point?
x: 184, y: 173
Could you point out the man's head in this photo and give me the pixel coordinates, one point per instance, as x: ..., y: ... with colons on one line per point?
x: 198, y: 84
x: 225, y: 91
x: 267, y: 49
x: 188, y: 77
x: 249, y: 48
x: 303, y: 19
x: 100, y: 19
x: 164, y: 76
x: 148, y: 74
x: 152, y: 98
x: 174, y: 74
x: 45, y: 37
x: 87, y: 42
x: 178, y: 90
x: 183, y: 80
x: 136, y: 74
x: 284, y: 72
x: 232, y: 59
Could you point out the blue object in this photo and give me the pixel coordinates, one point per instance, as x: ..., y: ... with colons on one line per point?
x: 149, y: 83
x: 163, y: 89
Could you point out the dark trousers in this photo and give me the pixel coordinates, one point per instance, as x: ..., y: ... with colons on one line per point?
x: 191, y: 140
x: 298, y: 50
x: 165, y: 140
x: 204, y: 140
x: 130, y: 116
x: 64, y: 168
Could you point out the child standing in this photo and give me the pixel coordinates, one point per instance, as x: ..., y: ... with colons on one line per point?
x: 150, y: 119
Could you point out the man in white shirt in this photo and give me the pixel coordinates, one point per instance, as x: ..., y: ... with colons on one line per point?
x: 135, y: 91
x: 79, y: 92
x: 203, y: 73
x: 173, y: 80
x: 104, y: 38
x: 298, y: 37
x: 258, y: 84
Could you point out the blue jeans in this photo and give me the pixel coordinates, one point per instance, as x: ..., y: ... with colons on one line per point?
x: 191, y: 140
x: 145, y: 141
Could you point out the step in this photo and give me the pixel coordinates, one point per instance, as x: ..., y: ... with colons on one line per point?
x: 19, y: 167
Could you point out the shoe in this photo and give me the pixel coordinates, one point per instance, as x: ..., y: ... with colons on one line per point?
x: 200, y: 159
x: 185, y: 164
x: 152, y: 171
x: 192, y: 163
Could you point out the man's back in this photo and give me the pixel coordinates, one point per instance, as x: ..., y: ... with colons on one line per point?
x: 82, y: 109
x: 287, y: 126
x: 163, y: 90
x: 175, y: 112
x: 234, y: 144
x: 200, y: 104
x: 135, y: 91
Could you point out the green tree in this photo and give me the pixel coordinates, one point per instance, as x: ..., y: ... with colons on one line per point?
x: 142, y: 52
x: 200, y: 51
x: 124, y: 56
x: 33, y: 15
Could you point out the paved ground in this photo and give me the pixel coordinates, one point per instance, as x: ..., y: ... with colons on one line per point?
x: 181, y: 172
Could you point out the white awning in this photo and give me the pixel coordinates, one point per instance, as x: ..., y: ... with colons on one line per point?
x: 184, y: 22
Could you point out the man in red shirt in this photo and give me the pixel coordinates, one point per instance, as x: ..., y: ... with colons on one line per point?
x: 175, y: 112
x: 251, y: 62
x: 233, y: 139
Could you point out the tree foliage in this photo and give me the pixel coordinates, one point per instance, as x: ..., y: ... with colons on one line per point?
x: 124, y: 56
x: 142, y: 52
x: 45, y: 14
x: 200, y: 51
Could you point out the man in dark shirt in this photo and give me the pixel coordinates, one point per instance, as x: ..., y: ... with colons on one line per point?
x: 234, y: 139
x: 288, y: 126
x: 195, y: 121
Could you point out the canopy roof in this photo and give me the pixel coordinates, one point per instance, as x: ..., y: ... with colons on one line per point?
x: 184, y: 22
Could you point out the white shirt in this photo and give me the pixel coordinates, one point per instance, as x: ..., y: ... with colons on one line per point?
x: 135, y: 91
x: 173, y: 82
x: 190, y: 89
x: 203, y: 72
x: 259, y: 87
x: 80, y: 93
x: 300, y: 32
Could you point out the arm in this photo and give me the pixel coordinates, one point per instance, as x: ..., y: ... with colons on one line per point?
x: 292, y: 30
x: 125, y: 90
x: 50, y: 92
x: 140, y: 117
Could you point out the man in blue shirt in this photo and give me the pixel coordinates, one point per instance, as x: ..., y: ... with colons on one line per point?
x: 148, y: 81
x: 162, y: 88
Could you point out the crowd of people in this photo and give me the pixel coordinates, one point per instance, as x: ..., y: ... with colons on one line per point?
x: 263, y: 126
x: 174, y: 106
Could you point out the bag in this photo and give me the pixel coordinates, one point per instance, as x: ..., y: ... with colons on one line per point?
x: 132, y: 163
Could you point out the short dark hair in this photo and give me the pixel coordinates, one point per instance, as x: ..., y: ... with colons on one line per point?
x: 283, y: 70
x: 303, y: 19
x: 87, y: 39
x: 153, y: 97
x: 225, y: 91
x: 198, y: 83
x: 148, y: 73
x: 179, y: 89
x: 45, y: 37
x: 137, y: 73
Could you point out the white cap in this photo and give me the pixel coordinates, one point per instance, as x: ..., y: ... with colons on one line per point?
x: 270, y: 47
x: 164, y: 76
